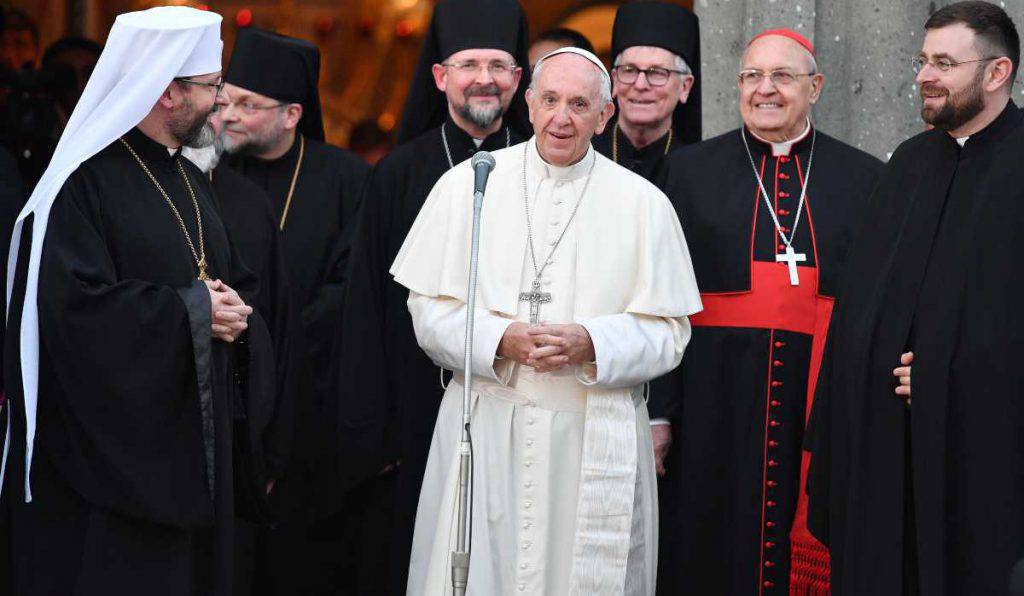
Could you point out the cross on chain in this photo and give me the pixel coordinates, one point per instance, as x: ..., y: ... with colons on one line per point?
x: 790, y: 257
x: 535, y: 297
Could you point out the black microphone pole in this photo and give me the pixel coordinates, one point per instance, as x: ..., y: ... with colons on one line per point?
x: 483, y: 163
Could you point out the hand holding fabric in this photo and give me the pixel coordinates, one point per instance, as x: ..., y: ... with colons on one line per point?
x: 903, y: 374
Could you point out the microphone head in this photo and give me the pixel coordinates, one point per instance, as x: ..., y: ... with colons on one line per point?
x: 483, y: 157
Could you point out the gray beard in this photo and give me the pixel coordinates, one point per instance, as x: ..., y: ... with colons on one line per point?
x: 480, y: 117
x: 205, y: 158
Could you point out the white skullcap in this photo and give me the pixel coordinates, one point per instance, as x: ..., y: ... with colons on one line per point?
x: 579, y: 52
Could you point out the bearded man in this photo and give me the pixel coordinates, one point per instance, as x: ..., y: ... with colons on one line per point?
x: 933, y: 281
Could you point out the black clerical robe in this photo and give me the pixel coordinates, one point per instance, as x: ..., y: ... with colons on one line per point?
x: 929, y: 494
x: 133, y: 470
x: 739, y: 400
x: 644, y: 161
x: 389, y: 390
x: 317, y: 225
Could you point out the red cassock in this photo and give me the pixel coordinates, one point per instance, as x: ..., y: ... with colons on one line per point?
x: 733, y: 504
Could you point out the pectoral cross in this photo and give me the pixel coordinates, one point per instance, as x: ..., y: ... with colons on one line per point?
x: 535, y: 297
x: 790, y: 257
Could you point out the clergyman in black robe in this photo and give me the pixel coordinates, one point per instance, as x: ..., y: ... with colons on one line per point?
x: 388, y: 391
x: 925, y: 497
x: 273, y: 133
x: 140, y: 385
x: 730, y: 500
x: 656, y: 50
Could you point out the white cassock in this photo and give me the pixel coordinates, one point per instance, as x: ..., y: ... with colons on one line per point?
x: 564, y: 492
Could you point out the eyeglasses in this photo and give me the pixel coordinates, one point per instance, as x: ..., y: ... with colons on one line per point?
x: 249, y: 108
x: 627, y: 74
x: 497, y: 69
x: 217, y: 86
x: 780, y: 78
x: 943, y: 64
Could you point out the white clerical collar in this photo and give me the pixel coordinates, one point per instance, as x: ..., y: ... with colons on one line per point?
x: 477, y: 142
x: 543, y: 169
x: 962, y: 140
x: 784, y: 147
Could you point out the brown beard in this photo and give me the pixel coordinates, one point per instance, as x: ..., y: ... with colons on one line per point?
x: 959, y: 108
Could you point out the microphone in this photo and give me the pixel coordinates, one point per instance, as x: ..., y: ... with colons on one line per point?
x: 483, y: 163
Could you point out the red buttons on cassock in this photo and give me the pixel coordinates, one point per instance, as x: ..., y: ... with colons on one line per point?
x: 773, y: 423
x: 769, y: 544
x: 783, y: 176
x: 769, y: 585
x: 769, y: 564
x: 770, y: 503
x: 782, y: 247
x: 777, y: 363
x: 775, y: 403
x: 783, y: 211
x: 772, y: 444
x: 780, y: 344
x: 776, y: 383
x: 784, y: 158
x: 783, y: 194
x: 772, y: 463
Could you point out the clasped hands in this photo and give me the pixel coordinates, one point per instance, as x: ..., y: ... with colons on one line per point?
x: 546, y: 347
x: 230, y: 312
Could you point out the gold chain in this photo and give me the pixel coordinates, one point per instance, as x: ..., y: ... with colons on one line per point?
x: 200, y: 257
x: 295, y: 177
x: 615, y: 143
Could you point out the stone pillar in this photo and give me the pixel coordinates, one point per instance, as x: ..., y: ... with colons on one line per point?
x: 863, y: 47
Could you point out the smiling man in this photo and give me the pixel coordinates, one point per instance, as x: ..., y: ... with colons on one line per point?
x: 937, y: 273
x: 769, y: 230
x: 656, y: 84
x: 584, y: 291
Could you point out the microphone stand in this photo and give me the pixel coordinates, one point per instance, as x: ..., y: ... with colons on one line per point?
x: 460, y: 556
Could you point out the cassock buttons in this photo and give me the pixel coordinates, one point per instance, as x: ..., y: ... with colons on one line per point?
x: 530, y: 421
x: 775, y: 403
x: 777, y: 363
x: 769, y: 544
x: 783, y: 176
x: 774, y: 423
x: 529, y: 442
x: 522, y: 587
x: 776, y: 383
x: 773, y: 444
x: 528, y: 484
x: 554, y: 224
x: 772, y: 463
x: 783, y: 194
x: 770, y: 503
x: 523, y: 565
x: 769, y: 584
x: 780, y: 344
x: 770, y: 524
x: 769, y: 564
x: 784, y: 158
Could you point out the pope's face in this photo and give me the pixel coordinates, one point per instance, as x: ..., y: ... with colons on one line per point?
x: 566, y: 108
x: 479, y: 84
x: 251, y: 122
x: 778, y: 110
x: 644, y: 104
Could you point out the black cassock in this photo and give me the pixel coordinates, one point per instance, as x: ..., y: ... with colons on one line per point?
x: 133, y: 474
x: 934, y: 489
x: 316, y: 230
x: 738, y: 402
x: 389, y: 390
x: 644, y: 161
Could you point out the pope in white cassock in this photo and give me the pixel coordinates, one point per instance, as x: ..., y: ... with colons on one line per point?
x: 584, y: 290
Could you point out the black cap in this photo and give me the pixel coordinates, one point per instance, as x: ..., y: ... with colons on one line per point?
x: 283, y: 68
x: 676, y: 29
x: 459, y: 25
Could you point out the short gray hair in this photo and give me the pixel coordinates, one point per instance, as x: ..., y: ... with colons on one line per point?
x: 680, y: 64
x: 606, y: 81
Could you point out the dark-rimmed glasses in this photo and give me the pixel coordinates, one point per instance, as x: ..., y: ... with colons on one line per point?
x: 218, y: 86
x: 942, y: 64
x: 627, y: 74
x: 780, y: 78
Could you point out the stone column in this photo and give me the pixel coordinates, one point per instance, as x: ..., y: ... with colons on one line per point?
x: 863, y: 47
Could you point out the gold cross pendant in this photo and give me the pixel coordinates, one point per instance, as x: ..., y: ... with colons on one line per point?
x: 202, y: 270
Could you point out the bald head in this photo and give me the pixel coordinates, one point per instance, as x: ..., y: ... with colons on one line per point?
x: 570, y: 101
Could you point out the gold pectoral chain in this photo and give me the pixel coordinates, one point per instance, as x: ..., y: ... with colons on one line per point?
x: 295, y: 178
x: 615, y: 143
x: 200, y: 256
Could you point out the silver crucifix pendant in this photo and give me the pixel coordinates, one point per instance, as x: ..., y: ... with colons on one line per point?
x: 790, y: 258
x: 535, y: 298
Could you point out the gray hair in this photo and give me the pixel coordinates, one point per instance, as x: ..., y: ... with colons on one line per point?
x: 680, y: 64
x: 606, y: 82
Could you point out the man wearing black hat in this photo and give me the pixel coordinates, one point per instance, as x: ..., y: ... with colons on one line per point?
x: 467, y: 95
x: 274, y: 135
x: 656, y: 79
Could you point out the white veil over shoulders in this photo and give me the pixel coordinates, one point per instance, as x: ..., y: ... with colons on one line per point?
x: 144, y: 52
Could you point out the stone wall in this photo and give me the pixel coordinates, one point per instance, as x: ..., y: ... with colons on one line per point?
x: 863, y: 47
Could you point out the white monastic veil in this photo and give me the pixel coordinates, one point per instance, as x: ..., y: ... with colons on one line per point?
x: 145, y: 51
